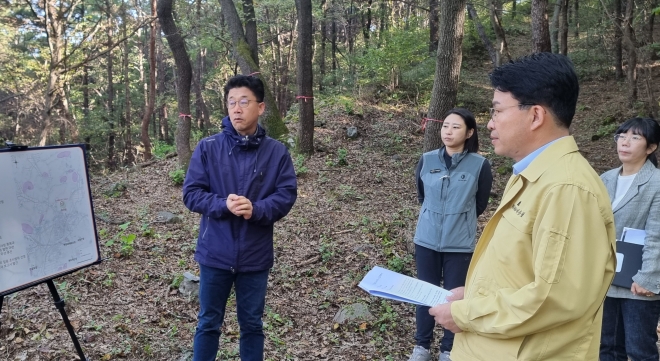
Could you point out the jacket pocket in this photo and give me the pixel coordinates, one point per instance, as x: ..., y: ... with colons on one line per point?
x: 551, y: 256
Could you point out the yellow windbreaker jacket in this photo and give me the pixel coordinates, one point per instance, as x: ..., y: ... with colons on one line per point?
x: 542, y: 266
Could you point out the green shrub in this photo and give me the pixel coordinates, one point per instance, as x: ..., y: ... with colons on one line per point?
x: 177, y: 176
x: 160, y: 149
x: 299, y: 165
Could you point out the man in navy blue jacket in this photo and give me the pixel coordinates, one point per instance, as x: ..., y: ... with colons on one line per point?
x: 242, y: 182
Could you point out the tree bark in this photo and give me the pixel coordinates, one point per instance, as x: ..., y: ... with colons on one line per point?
x: 502, y: 47
x: 472, y: 13
x: 128, y: 136
x: 366, y: 22
x: 151, y: 100
x: 271, y: 119
x: 630, y: 44
x: 618, y: 39
x: 540, y: 33
x: 305, y: 77
x: 563, y: 28
x: 324, y: 38
x: 576, y: 18
x: 434, y: 26
x: 554, y: 26
x: 513, y: 9
x: 251, y: 29
x: 333, y: 42
x: 111, y: 162
x: 184, y: 80
x: 447, y: 69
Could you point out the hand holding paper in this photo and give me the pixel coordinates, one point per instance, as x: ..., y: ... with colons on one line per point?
x: 384, y: 283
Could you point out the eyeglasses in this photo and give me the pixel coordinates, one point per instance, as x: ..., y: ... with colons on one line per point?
x: 495, y: 112
x: 624, y: 138
x: 243, y: 103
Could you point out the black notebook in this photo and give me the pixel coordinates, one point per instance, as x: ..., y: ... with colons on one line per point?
x: 628, y: 263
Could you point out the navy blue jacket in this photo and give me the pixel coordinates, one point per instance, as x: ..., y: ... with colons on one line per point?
x: 256, y: 167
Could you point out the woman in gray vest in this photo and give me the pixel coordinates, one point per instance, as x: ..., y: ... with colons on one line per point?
x: 453, y: 186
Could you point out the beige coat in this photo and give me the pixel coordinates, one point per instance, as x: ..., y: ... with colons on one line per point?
x: 542, y: 266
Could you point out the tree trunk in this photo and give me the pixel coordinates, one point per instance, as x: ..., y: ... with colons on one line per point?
x: 304, y: 77
x: 129, y: 157
x: 502, y: 47
x: 618, y: 40
x: 366, y: 23
x: 576, y: 19
x: 324, y: 38
x: 201, y: 110
x: 251, y: 30
x: 184, y: 80
x: 630, y: 43
x: 55, y: 32
x: 151, y: 100
x: 333, y: 41
x: 563, y: 28
x: 540, y: 33
x: 472, y: 13
x: 447, y: 69
x: 433, y: 26
x: 554, y: 26
x: 163, y: 125
x: 513, y: 9
x: 271, y: 118
x: 85, y: 91
x: 111, y: 161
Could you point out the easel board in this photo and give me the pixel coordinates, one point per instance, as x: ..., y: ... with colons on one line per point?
x: 47, y: 226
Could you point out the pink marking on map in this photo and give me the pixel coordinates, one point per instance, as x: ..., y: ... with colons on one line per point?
x: 74, y: 177
x: 27, y: 186
x: 27, y: 228
x: 44, y: 174
x: 66, y: 154
x: 63, y: 179
x: 41, y: 219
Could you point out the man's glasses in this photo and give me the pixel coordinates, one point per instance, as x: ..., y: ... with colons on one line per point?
x: 625, y: 138
x: 243, y: 103
x: 495, y: 112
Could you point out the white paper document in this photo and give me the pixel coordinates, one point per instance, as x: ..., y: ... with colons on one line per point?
x: 633, y: 235
x: 384, y: 283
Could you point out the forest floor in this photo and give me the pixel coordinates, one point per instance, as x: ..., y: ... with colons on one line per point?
x: 356, y: 209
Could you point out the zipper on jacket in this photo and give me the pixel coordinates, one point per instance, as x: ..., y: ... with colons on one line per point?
x: 207, y: 227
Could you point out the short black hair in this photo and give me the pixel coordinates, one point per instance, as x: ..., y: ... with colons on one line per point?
x: 248, y: 81
x: 545, y: 79
x: 472, y: 143
x: 646, y: 127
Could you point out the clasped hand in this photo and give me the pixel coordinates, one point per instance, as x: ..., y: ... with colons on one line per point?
x: 239, y: 205
x: 442, y: 312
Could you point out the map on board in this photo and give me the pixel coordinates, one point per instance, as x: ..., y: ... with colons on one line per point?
x: 46, y: 217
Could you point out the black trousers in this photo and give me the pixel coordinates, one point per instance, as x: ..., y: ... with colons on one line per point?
x: 445, y: 269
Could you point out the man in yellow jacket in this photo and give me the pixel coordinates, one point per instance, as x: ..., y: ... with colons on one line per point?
x: 539, y: 274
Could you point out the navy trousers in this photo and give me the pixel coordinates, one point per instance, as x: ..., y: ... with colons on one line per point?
x: 445, y: 269
x: 629, y: 330
x: 214, y: 289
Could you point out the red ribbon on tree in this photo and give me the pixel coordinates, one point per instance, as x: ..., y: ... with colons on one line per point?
x: 251, y: 74
x: 185, y: 115
x: 303, y: 97
x: 426, y: 120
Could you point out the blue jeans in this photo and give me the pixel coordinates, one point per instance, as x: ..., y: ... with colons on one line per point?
x: 629, y: 330
x: 214, y: 289
x: 446, y: 269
